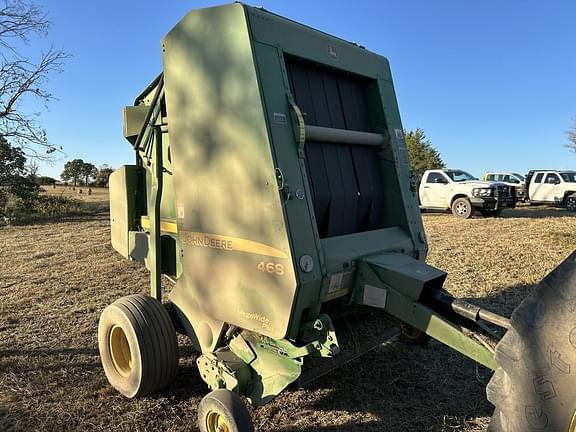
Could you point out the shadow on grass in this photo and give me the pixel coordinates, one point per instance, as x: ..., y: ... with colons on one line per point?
x: 46, y: 352
x: 87, y: 212
x: 524, y: 211
x: 11, y: 420
x: 536, y: 212
x: 408, y: 388
x: 391, y: 388
x: 187, y: 383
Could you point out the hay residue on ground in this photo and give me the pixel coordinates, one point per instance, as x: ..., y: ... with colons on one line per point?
x: 56, y: 278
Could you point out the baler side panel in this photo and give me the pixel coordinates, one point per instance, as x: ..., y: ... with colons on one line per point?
x: 299, y: 213
x: 236, y: 260
x: 396, y: 169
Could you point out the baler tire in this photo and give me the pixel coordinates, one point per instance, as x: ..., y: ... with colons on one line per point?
x: 462, y: 208
x: 412, y: 336
x: 534, y: 388
x: 138, y: 345
x: 223, y: 406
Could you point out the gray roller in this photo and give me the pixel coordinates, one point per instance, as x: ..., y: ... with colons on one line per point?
x: 341, y: 136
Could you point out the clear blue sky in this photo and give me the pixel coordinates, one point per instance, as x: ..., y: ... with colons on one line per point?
x: 491, y: 82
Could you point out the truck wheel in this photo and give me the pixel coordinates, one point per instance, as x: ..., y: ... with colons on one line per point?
x: 138, y: 346
x: 570, y: 203
x: 534, y: 389
x: 461, y: 207
x: 223, y: 411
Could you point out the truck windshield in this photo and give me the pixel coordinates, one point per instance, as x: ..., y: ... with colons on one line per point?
x: 569, y: 177
x: 519, y: 176
x: 459, y: 176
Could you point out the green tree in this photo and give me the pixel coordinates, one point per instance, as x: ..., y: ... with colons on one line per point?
x: 73, y: 171
x: 422, y: 154
x: 23, y: 78
x: 12, y: 162
x: 16, y: 188
x: 89, y: 171
x: 103, y: 175
x: 571, y: 134
x: 46, y: 181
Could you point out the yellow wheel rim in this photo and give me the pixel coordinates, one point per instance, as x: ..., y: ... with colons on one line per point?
x: 573, y: 423
x: 120, y: 351
x: 216, y: 423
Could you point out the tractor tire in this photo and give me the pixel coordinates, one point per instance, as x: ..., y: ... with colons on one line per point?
x: 462, y: 208
x: 138, y: 346
x: 222, y: 410
x: 491, y: 213
x: 534, y: 388
x: 570, y: 203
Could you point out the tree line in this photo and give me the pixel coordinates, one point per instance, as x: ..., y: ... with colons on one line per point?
x: 79, y: 172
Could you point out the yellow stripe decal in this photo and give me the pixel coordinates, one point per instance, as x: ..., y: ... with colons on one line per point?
x: 216, y: 241
x: 169, y: 227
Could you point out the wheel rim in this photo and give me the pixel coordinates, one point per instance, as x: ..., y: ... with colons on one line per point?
x: 573, y: 423
x: 571, y: 204
x: 411, y: 332
x: 461, y: 208
x: 216, y: 423
x: 120, y: 351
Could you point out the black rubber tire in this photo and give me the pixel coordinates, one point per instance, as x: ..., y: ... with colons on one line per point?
x: 138, y: 346
x: 412, y: 336
x: 491, y: 213
x: 462, y: 208
x: 534, y: 389
x: 226, y: 405
x: 570, y: 203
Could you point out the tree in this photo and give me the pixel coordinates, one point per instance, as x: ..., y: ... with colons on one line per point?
x: 77, y: 170
x: 103, y: 175
x: 32, y: 170
x: 46, y: 181
x: 22, y: 78
x: 73, y: 171
x: 422, y: 154
x: 571, y: 133
x: 88, y: 171
x: 12, y: 162
x: 14, y: 180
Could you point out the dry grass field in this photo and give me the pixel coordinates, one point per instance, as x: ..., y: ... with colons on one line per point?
x: 97, y: 195
x: 55, y: 279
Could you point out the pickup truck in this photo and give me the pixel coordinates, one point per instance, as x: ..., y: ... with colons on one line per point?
x: 552, y: 187
x: 509, y: 179
x: 456, y: 190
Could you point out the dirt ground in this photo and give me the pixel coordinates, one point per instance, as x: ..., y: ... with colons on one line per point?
x: 55, y: 279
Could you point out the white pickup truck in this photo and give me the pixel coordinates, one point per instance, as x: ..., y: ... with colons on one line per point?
x: 456, y: 190
x: 509, y: 179
x: 552, y: 187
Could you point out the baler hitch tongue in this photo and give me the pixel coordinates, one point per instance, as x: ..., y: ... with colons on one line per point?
x: 411, y: 291
x: 470, y: 311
